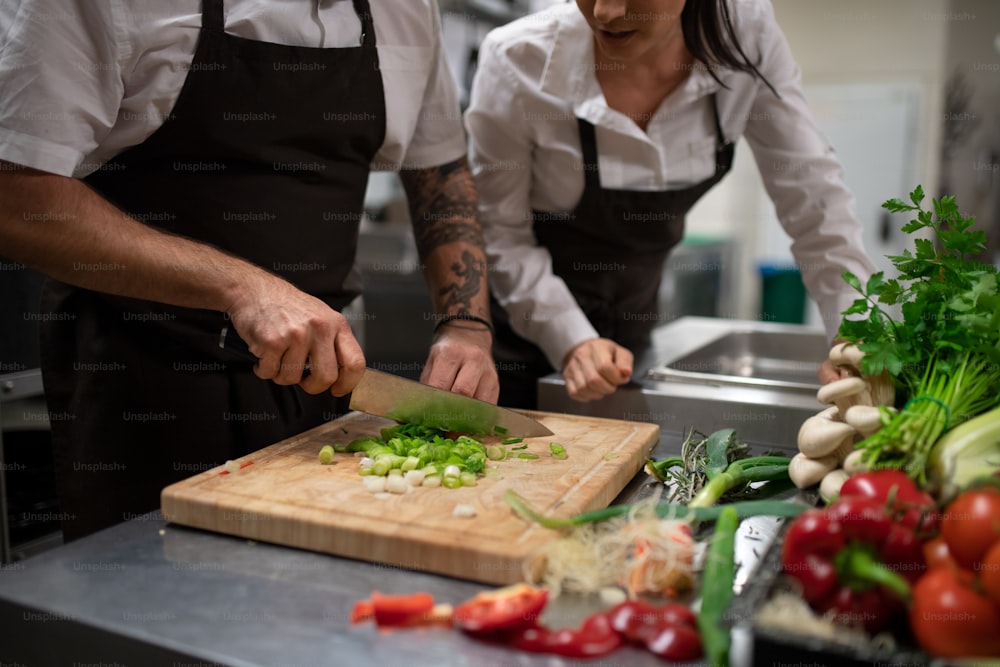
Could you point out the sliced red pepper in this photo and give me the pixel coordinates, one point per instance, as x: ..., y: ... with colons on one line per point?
x: 399, y: 610
x: 841, y: 554
x: 363, y: 611
x: 514, y: 606
x: 905, y: 501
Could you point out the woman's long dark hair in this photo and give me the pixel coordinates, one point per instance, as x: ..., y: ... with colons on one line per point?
x: 711, y: 38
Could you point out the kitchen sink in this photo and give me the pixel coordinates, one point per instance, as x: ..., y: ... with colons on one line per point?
x: 711, y: 373
x: 753, y: 357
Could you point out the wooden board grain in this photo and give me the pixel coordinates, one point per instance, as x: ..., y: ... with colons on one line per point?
x: 287, y: 497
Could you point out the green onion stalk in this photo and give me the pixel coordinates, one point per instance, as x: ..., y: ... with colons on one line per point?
x: 945, y: 397
x: 743, y: 509
x: 720, y: 467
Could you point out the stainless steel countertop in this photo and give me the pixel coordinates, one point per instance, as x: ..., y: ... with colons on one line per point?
x: 149, y: 593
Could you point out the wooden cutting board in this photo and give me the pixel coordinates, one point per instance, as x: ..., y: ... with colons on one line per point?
x: 285, y: 496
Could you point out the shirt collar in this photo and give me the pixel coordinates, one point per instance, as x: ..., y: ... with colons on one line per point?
x: 569, y: 70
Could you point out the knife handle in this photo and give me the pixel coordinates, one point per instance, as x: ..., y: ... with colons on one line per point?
x: 236, y: 345
x: 239, y: 347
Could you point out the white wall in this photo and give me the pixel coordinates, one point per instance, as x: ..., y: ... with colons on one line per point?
x: 842, y: 43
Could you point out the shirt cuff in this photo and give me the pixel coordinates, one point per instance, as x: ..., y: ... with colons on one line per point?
x: 560, y: 334
x: 29, y: 151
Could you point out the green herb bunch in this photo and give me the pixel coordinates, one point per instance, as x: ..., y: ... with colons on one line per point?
x: 944, y: 354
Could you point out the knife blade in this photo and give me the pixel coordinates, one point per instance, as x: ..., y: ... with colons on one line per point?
x: 408, y: 401
x: 404, y: 400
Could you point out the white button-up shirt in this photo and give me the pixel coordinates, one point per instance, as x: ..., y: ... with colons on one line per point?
x: 536, y: 75
x: 83, y: 80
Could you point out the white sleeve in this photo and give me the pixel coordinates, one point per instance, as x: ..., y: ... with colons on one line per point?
x: 438, y: 137
x: 540, y: 306
x: 60, y: 80
x: 804, y: 179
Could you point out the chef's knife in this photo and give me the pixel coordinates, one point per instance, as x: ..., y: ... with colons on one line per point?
x: 407, y: 401
x: 411, y: 402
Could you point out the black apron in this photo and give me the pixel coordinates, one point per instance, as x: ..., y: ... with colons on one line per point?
x: 610, y: 252
x: 266, y: 154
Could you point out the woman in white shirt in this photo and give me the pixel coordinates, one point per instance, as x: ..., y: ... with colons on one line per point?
x: 594, y: 128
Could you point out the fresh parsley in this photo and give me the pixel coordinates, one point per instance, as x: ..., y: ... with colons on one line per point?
x: 944, y: 352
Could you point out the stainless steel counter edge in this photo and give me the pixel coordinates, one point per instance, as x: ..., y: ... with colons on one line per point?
x: 148, y: 593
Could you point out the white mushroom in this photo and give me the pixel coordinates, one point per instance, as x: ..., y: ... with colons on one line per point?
x: 844, y: 393
x: 821, y: 436
x: 805, y: 472
x: 881, y: 388
x: 846, y: 449
x: 829, y: 487
x: 853, y: 464
x: 867, y: 419
x: 847, y: 355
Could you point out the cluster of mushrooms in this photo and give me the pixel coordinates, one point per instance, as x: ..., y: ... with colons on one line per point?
x: 826, y: 440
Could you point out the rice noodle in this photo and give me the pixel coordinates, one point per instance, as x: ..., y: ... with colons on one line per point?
x: 641, y: 552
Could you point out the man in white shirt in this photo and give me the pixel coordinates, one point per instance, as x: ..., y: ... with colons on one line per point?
x: 191, y: 175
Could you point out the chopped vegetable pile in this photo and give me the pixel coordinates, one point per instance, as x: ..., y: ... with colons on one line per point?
x: 408, y: 455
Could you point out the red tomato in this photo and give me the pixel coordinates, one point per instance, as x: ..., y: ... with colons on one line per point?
x: 971, y: 524
x: 949, y: 619
x: 641, y: 621
x: 677, y: 643
x: 514, y: 606
x: 395, y: 610
x: 594, y: 639
x: 936, y: 554
x: 989, y: 573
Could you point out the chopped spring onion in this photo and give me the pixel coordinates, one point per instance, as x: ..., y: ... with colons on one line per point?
x: 326, y: 455
x: 527, y: 455
x: 464, y: 511
x: 558, y: 451
x: 410, y: 448
x: 512, y: 441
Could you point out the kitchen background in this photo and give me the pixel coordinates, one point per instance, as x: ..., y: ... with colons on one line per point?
x: 907, y: 91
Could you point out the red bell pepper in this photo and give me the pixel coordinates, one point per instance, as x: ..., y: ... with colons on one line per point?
x: 514, y: 606
x: 853, y: 559
x: 904, y: 500
x: 390, y: 611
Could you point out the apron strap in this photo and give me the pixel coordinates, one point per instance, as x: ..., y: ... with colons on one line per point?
x: 588, y: 145
x: 212, y: 15
x: 367, y: 23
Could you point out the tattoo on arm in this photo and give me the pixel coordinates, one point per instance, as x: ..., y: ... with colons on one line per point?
x: 442, y: 203
x: 460, y: 293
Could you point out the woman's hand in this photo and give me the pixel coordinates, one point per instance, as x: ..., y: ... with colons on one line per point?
x: 596, y: 368
x: 828, y: 372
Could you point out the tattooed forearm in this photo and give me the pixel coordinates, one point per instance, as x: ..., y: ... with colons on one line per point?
x: 442, y: 206
x: 449, y: 238
x: 458, y: 296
